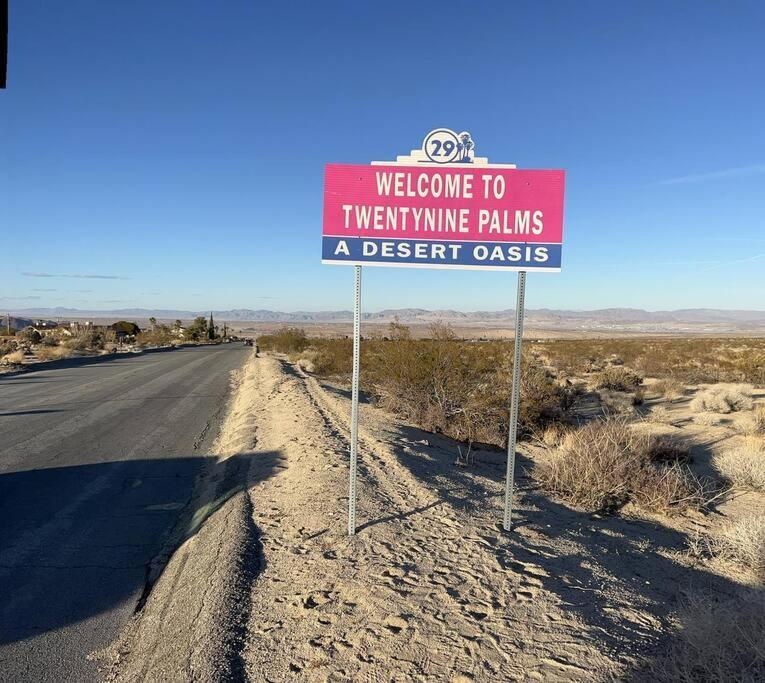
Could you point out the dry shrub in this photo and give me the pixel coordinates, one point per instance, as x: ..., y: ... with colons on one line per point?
x: 723, y: 398
x: 754, y: 424
x: 605, y: 464
x: 13, y: 358
x: 617, y: 403
x: 307, y: 360
x: 8, y: 346
x: 52, y: 352
x: 334, y: 357
x: 458, y: 388
x: 690, y: 360
x: 617, y: 378
x: 708, y: 419
x: 159, y: 335
x: 716, y: 641
x: 742, y: 541
x: 743, y: 465
x: 285, y: 340
x: 555, y: 433
x: 662, y: 415
x: 671, y: 389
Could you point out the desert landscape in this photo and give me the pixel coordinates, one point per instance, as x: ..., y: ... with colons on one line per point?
x: 370, y: 342
x: 637, y: 545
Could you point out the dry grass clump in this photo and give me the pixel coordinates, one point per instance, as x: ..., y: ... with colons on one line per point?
x: 52, y: 352
x: 670, y: 388
x: 8, y: 346
x: 723, y: 398
x: 715, y: 641
x: 606, y: 464
x: 616, y: 403
x: 744, y: 465
x: 662, y: 415
x: 754, y: 424
x: 617, y: 378
x: 13, y: 358
x: 555, y: 433
x: 707, y: 419
x: 742, y: 541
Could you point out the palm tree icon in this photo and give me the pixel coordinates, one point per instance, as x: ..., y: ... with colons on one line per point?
x: 465, y: 146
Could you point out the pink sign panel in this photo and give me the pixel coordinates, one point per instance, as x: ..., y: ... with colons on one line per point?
x: 402, y: 206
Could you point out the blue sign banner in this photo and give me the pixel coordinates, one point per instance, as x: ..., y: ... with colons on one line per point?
x: 529, y: 256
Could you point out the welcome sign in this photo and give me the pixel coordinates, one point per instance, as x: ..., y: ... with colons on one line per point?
x: 442, y: 207
x: 430, y: 215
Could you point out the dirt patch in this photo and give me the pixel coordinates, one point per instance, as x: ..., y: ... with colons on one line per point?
x: 431, y: 588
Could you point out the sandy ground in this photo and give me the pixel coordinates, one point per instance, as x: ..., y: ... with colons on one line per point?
x: 266, y: 585
x: 431, y: 588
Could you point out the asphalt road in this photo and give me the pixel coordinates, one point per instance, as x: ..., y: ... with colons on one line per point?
x: 97, y: 463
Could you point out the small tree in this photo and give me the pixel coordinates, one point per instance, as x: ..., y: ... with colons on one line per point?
x: 211, y: 328
x: 198, y: 328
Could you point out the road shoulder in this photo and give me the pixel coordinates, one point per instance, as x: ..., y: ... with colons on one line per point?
x: 188, y: 626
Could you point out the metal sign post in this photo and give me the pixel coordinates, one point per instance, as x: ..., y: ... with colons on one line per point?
x: 514, y: 400
x: 355, y: 403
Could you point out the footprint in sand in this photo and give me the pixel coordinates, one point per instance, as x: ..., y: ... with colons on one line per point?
x: 316, y: 599
x: 396, y: 624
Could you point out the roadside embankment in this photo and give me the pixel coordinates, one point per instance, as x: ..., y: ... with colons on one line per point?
x: 189, y: 624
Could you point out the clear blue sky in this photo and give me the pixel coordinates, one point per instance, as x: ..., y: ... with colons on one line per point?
x: 180, y: 146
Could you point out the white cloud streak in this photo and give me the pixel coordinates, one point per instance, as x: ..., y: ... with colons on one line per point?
x: 715, y: 175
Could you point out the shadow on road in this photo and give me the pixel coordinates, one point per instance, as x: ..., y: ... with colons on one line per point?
x: 78, y: 541
x: 31, y: 412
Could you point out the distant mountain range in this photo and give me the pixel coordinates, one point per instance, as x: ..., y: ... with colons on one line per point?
x: 601, y: 319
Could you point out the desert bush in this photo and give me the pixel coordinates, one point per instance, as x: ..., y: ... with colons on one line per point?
x: 159, y: 335
x: 723, y: 398
x: 743, y: 465
x: 615, y: 403
x: 715, y: 641
x: 661, y: 415
x: 13, y: 358
x: 88, y: 339
x: 617, y: 378
x: 307, y: 360
x: 285, y: 340
x: 742, y: 541
x: 690, y: 360
x: 458, y: 388
x: 334, y: 357
x: 606, y: 464
x: 707, y: 419
x: 670, y: 388
x: 8, y: 346
x: 555, y: 433
x: 754, y: 424
x: 29, y: 335
x: 52, y: 352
